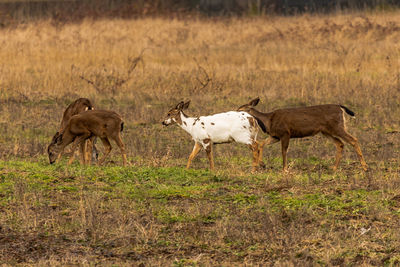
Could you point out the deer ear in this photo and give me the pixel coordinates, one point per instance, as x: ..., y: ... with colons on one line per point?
x: 180, y: 105
x: 59, y: 138
x: 254, y: 102
x: 186, y: 105
x: 53, y: 140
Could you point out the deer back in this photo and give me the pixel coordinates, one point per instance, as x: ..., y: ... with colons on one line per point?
x: 100, y: 123
x: 78, y: 106
x: 306, y: 121
x: 224, y: 127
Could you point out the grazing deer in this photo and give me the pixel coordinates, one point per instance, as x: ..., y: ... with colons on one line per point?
x: 283, y: 124
x: 102, y: 123
x: 219, y: 128
x: 78, y: 106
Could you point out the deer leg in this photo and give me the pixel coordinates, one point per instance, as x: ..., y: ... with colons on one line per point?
x: 94, y: 152
x: 195, y: 151
x: 71, y: 159
x: 354, y: 142
x: 59, y: 156
x: 255, y: 149
x: 269, y: 141
x: 121, y: 146
x: 259, y: 162
x: 78, y: 140
x: 107, y: 149
x: 82, y: 152
x: 284, y: 144
x: 209, y: 150
x: 339, y: 149
x: 89, y: 150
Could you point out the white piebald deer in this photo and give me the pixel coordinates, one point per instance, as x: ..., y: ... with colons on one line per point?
x: 78, y: 106
x: 283, y: 124
x: 102, y: 123
x: 219, y: 128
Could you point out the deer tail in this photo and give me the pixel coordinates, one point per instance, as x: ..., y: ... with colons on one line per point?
x: 348, y: 111
x: 122, y: 126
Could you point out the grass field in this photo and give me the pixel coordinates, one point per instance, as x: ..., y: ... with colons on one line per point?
x: 156, y: 212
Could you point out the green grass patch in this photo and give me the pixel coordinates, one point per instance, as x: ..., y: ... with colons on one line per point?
x: 228, y: 212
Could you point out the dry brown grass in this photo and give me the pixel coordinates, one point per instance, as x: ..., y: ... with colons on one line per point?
x: 219, y: 64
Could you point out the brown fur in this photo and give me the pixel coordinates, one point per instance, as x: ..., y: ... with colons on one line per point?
x: 78, y: 106
x: 102, y: 123
x: 283, y: 124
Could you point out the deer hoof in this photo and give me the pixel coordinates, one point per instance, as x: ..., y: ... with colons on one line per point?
x: 262, y: 165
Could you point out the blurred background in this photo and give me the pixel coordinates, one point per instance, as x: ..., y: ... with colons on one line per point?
x: 17, y: 10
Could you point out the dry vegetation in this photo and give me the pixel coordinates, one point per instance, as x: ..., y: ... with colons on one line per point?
x: 155, y: 213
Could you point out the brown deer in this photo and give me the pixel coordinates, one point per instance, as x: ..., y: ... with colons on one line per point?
x: 78, y: 106
x: 283, y: 124
x: 102, y: 123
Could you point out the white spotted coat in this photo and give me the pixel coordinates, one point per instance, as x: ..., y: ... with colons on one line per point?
x: 225, y: 127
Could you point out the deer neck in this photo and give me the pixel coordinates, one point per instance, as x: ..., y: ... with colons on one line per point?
x: 264, y: 117
x: 186, y: 123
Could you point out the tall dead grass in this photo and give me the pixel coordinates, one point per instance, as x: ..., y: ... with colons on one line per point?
x: 218, y: 64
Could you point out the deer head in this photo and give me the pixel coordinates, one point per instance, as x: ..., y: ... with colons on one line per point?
x: 55, y: 148
x: 174, y: 115
x: 251, y: 104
